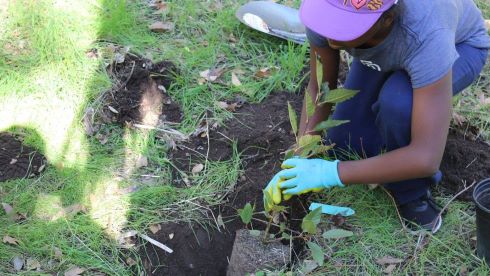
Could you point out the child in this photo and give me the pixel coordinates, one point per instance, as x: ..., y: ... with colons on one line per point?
x: 410, y: 58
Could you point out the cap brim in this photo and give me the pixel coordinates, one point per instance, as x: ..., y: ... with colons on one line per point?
x: 334, y: 23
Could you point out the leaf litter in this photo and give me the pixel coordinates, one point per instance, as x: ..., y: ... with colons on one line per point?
x: 10, y: 240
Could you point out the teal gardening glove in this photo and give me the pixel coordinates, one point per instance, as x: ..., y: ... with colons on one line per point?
x: 300, y: 176
x: 307, y: 175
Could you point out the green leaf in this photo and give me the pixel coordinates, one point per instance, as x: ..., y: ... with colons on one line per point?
x: 309, y: 144
x: 278, y: 208
x: 310, y: 150
x: 319, y: 71
x: 316, y: 252
x: 285, y: 236
x: 268, y: 202
x: 311, y: 220
x: 307, y: 140
x: 310, y: 105
x: 339, y: 95
x: 246, y: 213
x: 293, y: 118
x: 260, y: 273
x: 325, y: 88
x: 282, y: 227
x: 337, y: 234
x: 254, y: 233
x: 325, y: 125
x: 289, y: 154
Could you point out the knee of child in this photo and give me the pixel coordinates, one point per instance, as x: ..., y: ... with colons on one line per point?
x: 395, y: 99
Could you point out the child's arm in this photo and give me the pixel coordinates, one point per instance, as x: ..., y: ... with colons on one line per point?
x: 431, y: 116
x: 330, y: 61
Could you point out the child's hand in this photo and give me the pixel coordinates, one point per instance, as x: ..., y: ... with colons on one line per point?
x: 307, y: 175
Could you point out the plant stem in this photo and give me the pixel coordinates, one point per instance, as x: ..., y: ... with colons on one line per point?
x: 266, y: 233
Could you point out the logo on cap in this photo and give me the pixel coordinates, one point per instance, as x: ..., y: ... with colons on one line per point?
x: 373, y: 5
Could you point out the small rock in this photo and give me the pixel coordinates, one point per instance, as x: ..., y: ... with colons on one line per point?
x: 18, y: 263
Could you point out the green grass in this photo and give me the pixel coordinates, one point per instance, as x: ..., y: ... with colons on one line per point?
x: 378, y: 233
x: 47, y: 81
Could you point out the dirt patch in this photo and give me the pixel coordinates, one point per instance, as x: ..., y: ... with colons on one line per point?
x: 464, y: 160
x: 17, y: 160
x: 139, y: 94
x: 263, y: 133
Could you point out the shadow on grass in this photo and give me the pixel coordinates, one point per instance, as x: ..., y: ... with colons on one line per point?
x: 81, y: 202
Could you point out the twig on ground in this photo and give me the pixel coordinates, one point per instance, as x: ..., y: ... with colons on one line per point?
x: 156, y: 243
x: 396, y: 208
x: 472, y: 161
x: 452, y: 199
x: 207, y: 136
x: 170, y: 131
x: 129, y: 77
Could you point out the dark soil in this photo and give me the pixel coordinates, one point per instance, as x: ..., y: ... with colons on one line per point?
x: 464, y: 161
x: 17, y: 160
x: 139, y: 93
x: 263, y: 133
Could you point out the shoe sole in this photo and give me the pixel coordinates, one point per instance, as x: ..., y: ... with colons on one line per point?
x: 428, y: 228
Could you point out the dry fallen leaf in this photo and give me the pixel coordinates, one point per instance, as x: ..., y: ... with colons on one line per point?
x: 154, y: 228
x: 263, y: 73
x: 458, y: 119
x: 235, y: 80
x: 389, y: 269
x: 373, y: 186
x: 162, y: 88
x: 201, y: 81
x: 171, y: 235
x: 197, y: 168
x: 161, y: 27
x: 13, y: 161
x: 74, y: 271
x: 484, y: 100
x: 130, y: 261
x: 232, y: 38
x: 113, y: 110
x: 32, y: 264
x: 224, y: 105
x: 388, y: 260
x: 7, y: 208
x: 10, y: 240
x: 41, y: 168
x: 161, y: 7
x: 487, y: 24
x: 211, y: 75
x: 142, y: 162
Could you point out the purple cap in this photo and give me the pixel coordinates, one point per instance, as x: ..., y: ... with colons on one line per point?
x: 342, y: 20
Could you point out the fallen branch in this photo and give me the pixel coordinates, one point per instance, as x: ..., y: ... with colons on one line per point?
x: 156, y: 243
x: 451, y: 200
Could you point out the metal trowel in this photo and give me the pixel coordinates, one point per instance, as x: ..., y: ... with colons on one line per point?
x: 273, y: 19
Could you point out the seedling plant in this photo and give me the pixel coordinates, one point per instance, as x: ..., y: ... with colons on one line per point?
x: 307, y: 146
